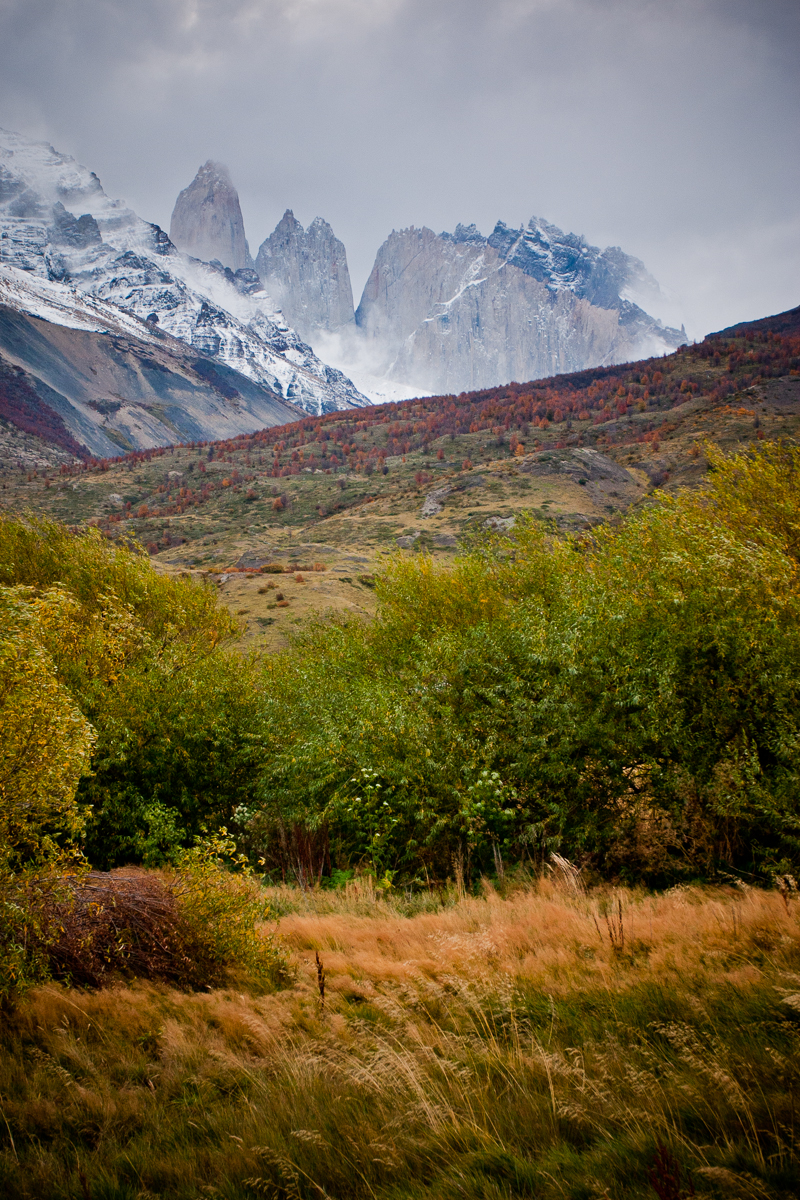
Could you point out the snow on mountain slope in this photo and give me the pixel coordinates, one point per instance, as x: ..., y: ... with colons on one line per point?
x: 63, y: 304
x: 57, y: 223
x: 113, y: 382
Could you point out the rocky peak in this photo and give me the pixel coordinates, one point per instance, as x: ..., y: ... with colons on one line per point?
x: 306, y: 275
x: 207, y: 219
x: 69, y: 230
x: 455, y: 311
x: 416, y: 272
x: 466, y: 234
x: 566, y: 262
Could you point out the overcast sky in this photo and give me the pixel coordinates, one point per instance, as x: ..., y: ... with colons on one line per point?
x: 668, y: 127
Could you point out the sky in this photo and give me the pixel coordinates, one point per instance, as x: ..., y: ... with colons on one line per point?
x: 668, y: 127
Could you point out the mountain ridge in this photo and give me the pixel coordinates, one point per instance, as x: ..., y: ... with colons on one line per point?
x: 456, y: 311
x: 110, y: 253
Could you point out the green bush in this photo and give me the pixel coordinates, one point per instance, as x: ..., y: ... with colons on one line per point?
x: 632, y: 696
x: 124, y: 725
x: 224, y: 905
x: 142, y: 657
x: 45, y: 744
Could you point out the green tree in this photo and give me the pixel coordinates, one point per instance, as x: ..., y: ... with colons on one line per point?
x: 143, y: 658
x: 45, y: 746
x: 633, y: 693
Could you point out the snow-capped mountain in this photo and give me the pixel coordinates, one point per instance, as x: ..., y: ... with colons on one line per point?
x: 439, y: 313
x: 564, y: 261
x: 88, y: 373
x: 450, y: 312
x: 57, y: 222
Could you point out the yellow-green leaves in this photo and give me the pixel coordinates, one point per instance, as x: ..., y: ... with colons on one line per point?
x: 45, y: 741
x: 140, y: 656
x: 637, y: 691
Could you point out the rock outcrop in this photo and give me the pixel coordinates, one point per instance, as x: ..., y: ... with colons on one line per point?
x: 451, y: 312
x: 207, y: 219
x: 305, y: 273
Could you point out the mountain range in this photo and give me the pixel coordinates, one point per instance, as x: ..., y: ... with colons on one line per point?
x: 58, y: 228
x: 439, y: 313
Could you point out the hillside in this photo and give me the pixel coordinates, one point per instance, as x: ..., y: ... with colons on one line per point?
x: 111, y: 385
x: 343, y: 489
x: 491, y: 896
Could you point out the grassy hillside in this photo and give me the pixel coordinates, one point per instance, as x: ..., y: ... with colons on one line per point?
x: 343, y: 489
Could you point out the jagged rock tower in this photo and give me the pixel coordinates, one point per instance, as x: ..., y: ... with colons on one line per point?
x: 305, y: 273
x: 455, y: 311
x: 207, y: 220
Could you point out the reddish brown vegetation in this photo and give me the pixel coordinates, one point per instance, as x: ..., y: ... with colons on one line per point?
x: 20, y: 404
x: 518, y: 412
x: 125, y: 924
x: 515, y: 414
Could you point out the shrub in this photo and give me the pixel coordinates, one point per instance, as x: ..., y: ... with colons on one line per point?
x: 193, y: 927
x: 124, y: 924
x: 140, y: 658
x: 225, y: 909
x: 635, y: 695
x: 45, y: 741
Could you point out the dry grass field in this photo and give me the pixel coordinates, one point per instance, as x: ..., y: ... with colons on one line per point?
x: 546, y: 1042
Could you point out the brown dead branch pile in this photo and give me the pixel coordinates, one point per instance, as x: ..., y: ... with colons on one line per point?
x: 124, y: 924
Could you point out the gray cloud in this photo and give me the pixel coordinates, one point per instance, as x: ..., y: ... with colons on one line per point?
x: 668, y: 127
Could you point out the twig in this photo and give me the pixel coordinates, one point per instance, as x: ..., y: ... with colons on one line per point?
x: 10, y: 1134
x: 320, y: 979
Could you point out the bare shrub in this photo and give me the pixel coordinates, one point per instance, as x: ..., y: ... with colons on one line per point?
x: 123, y: 923
x: 189, y: 929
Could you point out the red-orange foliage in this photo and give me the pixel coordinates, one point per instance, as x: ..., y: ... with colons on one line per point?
x: 605, y: 396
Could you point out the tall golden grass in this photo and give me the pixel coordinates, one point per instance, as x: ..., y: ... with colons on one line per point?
x: 545, y: 1043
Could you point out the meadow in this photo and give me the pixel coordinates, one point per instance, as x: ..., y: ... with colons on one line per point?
x: 538, y: 1040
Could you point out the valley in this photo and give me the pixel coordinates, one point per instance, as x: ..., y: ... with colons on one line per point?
x: 399, y: 600
x: 223, y: 511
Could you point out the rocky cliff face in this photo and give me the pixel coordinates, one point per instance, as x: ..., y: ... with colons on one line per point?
x: 207, y: 220
x: 451, y: 312
x: 304, y: 271
x: 57, y: 224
